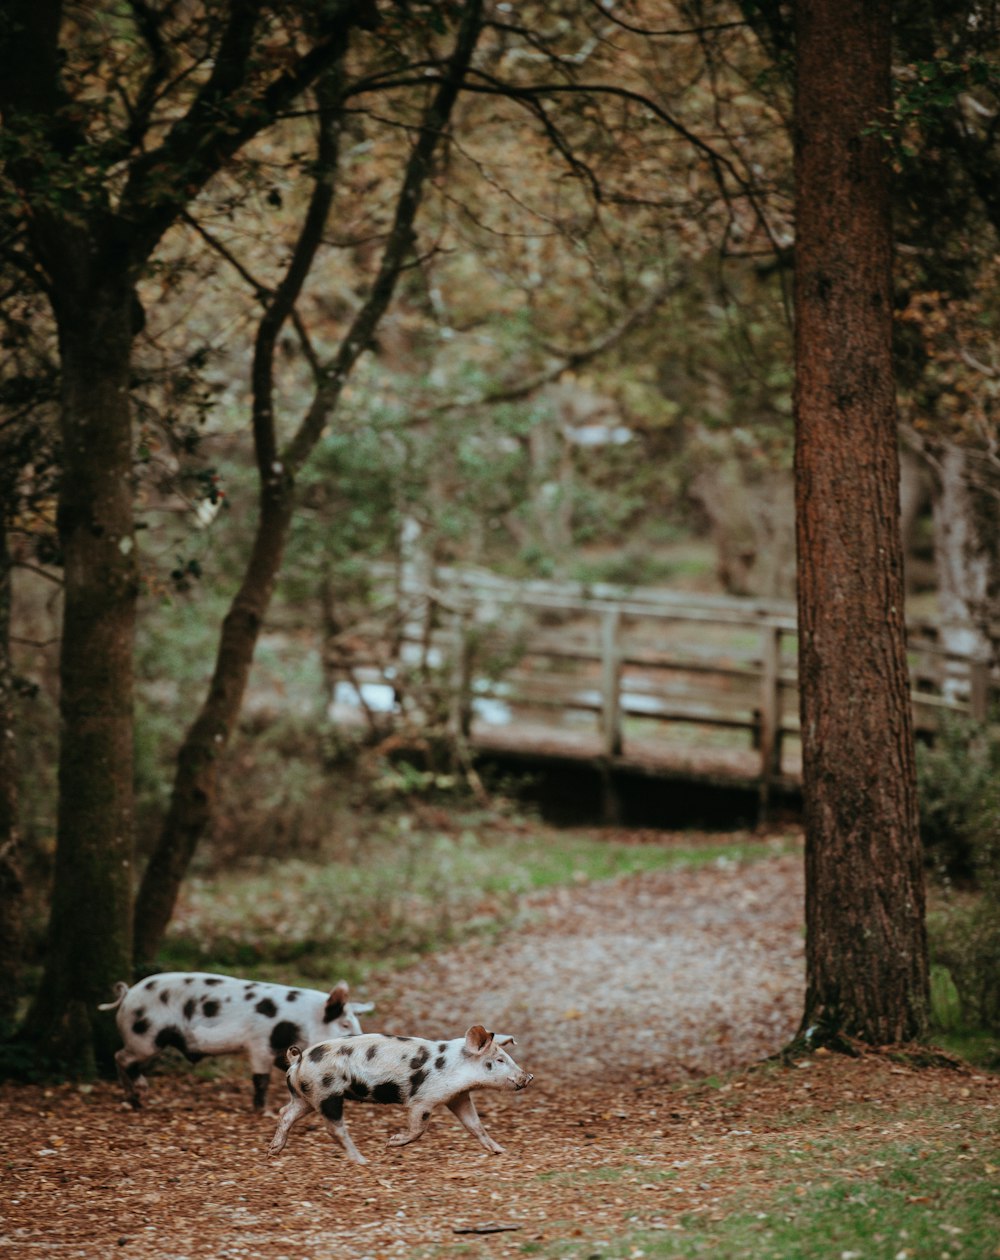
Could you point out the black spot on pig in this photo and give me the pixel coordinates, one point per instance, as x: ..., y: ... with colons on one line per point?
x: 214, y: 980
x: 189, y: 979
x: 420, y: 1058
x: 332, y: 1107
x: 416, y: 1080
x: 397, y: 1037
x: 210, y: 1007
x: 358, y: 1090
x: 425, y: 1116
x: 165, y: 996
x: 140, y: 1011
x: 327, y: 1081
x: 190, y: 1006
x: 284, y: 1034
x: 387, y: 1092
x: 266, y: 1007
x: 150, y: 985
x: 371, y: 1052
x: 442, y: 1047
x: 333, y: 1010
x: 292, y: 994
x: 317, y: 1052
x: 140, y: 1026
x: 439, y: 1062
x: 346, y: 1051
x: 172, y: 1036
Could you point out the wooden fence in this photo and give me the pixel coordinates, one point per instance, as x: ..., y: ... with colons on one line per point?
x: 610, y: 669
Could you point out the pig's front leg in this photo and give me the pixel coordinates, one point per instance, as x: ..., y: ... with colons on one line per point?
x: 291, y: 1113
x: 418, y: 1116
x: 464, y: 1108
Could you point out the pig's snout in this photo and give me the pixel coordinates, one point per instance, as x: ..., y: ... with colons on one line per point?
x: 524, y: 1080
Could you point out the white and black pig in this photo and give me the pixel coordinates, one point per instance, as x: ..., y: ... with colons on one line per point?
x: 418, y: 1074
x: 201, y: 1014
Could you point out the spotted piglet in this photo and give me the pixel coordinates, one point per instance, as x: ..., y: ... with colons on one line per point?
x: 408, y: 1070
x: 201, y: 1014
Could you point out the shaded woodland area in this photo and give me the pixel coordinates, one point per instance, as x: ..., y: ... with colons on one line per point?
x: 583, y: 289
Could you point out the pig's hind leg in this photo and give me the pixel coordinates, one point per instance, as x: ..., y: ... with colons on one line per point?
x: 464, y: 1108
x: 129, y: 1067
x: 332, y: 1108
x: 290, y: 1114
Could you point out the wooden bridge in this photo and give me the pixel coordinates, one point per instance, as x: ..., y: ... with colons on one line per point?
x: 666, y: 684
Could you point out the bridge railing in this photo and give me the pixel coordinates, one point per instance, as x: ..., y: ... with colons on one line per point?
x: 625, y: 665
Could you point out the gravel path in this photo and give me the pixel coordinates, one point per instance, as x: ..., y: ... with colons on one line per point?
x: 666, y: 975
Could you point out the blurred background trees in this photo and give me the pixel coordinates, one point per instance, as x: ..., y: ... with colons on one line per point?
x: 584, y: 369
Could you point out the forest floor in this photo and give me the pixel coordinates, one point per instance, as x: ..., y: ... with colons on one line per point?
x: 648, y: 1009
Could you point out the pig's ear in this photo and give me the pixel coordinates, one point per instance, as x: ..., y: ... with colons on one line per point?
x: 361, y: 1008
x: 477, y: 1039
x: 503, y: 1040
x: 335, y: 1001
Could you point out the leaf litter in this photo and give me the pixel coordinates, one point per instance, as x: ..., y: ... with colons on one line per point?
x: 646, y: 1006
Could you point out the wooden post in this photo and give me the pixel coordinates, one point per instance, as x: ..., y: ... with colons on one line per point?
x: 770, y: 715
x: 611, y: 668
x: 979, y: 690
x: 460, y: 717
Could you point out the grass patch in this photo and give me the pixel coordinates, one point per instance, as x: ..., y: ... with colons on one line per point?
x: 399, y: 892
x: 829, y: 1187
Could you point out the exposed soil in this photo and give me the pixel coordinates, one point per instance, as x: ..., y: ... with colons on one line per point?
x: 622, y: 997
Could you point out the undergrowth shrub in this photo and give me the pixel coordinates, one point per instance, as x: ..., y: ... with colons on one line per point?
x: 959, y: 792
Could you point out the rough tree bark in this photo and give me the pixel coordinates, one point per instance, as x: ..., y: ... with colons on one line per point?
x: 866, y: 958
x: 93, y: 875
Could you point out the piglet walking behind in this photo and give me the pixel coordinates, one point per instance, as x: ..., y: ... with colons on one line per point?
x: 418, y: 1074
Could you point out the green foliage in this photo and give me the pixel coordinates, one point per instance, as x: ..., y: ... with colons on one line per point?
x: 384, y: 889
x: 959, y: 790
x: 812, y: 1194
x: 958, y: 785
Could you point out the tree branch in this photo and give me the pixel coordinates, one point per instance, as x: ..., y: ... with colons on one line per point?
x: 398, y: 244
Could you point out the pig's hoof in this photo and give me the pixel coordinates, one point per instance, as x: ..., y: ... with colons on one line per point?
x: 399, y: 1139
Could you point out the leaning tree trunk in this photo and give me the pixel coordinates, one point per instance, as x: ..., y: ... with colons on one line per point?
x: 192, y: 802
x: 866, y: 959
x: 193, y: 799
x: 89, y: 938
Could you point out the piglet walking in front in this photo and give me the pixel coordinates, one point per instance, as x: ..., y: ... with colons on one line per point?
x: 416, y: 1073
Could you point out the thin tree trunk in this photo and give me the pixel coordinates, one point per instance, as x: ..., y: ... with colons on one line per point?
x: 966, y: 557
x: 193, y: 799
x: 89, y: 940
x: 192, y: 802
x: 866, y: 958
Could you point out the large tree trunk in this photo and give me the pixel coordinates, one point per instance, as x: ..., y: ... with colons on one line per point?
x: 866, y: 959
x: 89, y: 941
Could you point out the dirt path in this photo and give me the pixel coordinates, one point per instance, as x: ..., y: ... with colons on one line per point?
x: 616, y: 993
